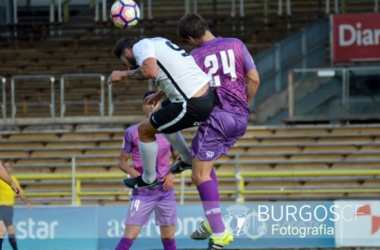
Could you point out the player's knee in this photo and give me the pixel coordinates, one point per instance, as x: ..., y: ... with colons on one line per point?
x: 145, y: 131
x: 3, y: 231
x: 167, y: 238
x: 142, y: 129
x: 196, y: 178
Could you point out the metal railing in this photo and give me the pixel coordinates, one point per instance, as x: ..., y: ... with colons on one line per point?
x: 333, y: 92
x: 111, y: 102
x: 4, y: 104
x: 304, y: 49
x: 62, y: 102
x: 339, y: 7
x: 240, y: 176
x: 82, y: 76
x: 13, y: 97
x: 52, y: 7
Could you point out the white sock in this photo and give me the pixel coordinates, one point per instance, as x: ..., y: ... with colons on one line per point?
x: 218, y: 235
x: 148, y: 152
x: 176, y: 139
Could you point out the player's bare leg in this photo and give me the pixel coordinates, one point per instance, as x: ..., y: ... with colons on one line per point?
x: 3, y: 231
x: 12, y: 237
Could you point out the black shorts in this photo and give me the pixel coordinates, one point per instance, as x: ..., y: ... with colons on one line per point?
x: 173, y: 116
x: 6, y: 215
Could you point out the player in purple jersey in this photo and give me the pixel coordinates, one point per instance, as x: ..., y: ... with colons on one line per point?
x: 235, y: 81
x: 144, y: 201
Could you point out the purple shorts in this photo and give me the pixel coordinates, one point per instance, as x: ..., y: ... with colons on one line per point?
x: 218, y: 134
x: 141, y: 207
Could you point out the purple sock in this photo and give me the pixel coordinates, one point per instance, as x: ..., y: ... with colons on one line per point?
x: 210, y: 200
x: 169, y: 244
x: 124, y: 244
x: 214, y: 178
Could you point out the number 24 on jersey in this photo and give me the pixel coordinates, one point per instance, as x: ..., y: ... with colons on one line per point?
x: 228, y: 66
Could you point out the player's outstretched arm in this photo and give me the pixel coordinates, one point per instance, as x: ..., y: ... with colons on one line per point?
x: 148, y: 70
x: 23, y: 197
x: 252, y: 80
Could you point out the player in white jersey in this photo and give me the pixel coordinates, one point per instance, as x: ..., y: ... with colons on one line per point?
x: 189, y: 97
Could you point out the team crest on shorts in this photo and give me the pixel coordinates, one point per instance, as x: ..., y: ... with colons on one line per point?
x: 210, y: 154
x: 237, y: 221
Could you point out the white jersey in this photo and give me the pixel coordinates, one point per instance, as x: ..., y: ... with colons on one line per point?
x: 178, y: 76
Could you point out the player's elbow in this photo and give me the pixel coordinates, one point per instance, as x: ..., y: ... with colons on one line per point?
x: 253, y: 79
x: 152, y: 72
x: 256, y: 83
x: 121, y: 167
x: 121, y: 164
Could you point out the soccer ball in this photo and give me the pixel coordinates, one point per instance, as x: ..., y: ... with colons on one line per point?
x: 125, y: 13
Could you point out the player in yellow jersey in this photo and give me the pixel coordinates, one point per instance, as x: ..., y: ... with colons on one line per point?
x: 7, y: 200
x: 4, y: 176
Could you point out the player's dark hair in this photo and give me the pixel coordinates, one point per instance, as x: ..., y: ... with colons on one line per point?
x: 122, y: 44
x: 192, y: 25
x: 148, y: 93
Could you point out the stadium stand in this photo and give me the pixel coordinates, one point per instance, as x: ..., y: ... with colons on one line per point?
x: 84, y: 46
x: 270, y: 163
x: 276, y: 163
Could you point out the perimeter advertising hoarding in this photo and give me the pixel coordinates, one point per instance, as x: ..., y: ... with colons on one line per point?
x: 264, y: 225
x: 360, y: 224
x: 55, y: 228
x: 355, y: 37
x: 255, y: 225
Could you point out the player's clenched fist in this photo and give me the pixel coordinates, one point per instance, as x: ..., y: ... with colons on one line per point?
x: 116, y: 76
x: 15, y: 188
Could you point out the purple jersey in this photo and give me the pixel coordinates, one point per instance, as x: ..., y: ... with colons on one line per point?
x: 130, y: 146
x: 226, y: 61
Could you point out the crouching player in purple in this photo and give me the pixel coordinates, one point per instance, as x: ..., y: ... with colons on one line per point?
x: 235, y: 81
x: 144, y: 201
